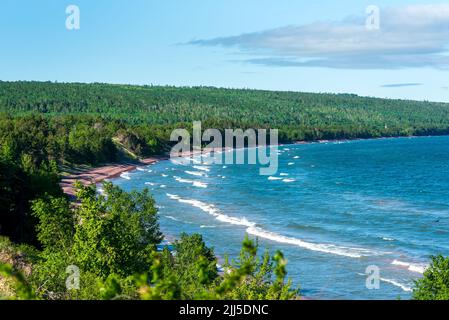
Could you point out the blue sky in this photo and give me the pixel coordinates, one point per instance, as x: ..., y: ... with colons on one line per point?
x: 313, y: 46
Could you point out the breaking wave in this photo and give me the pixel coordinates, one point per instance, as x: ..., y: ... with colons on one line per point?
x: 253, y: 229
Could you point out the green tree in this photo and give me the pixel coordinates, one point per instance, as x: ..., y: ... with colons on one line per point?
x: 193, y: 275
x: 109, y: 238
x: 116, y: 232
x: 435, y: 283
x: 21, y: 287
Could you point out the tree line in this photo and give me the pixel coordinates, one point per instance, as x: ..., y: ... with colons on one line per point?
x: 298, y: 116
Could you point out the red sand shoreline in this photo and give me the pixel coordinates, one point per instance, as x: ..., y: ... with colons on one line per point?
x: 99, y: 174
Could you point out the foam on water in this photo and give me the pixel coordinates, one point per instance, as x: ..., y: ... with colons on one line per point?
x: 181, y: 162
x: 418, y: 268
x: 393, y: 282
x: 195, y: 173
x: 253, y: 229
x: 324, y: 248
x: 202, y: 168
x: 198, y: 184
x: 212, y: 210
x: 195, y: 159
x: 397, y: 284
x: 125, y: 175
x: 173, y: 218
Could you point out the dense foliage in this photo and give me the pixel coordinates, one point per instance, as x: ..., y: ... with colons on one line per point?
x: 111, y: 240
x: 435, y: 283
x: 75, y: 140
x: 21, y: 181
x: 299, y: 116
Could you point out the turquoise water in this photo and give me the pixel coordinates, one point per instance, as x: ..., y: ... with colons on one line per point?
x: 333, y: 209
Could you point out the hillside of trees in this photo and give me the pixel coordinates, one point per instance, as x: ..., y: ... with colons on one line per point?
x: 298, y: 116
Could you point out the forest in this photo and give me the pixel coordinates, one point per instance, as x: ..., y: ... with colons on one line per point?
x: 113, y: 239
x: 298, y: 116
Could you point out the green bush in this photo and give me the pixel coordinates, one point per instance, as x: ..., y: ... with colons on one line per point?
x: 435, y: 283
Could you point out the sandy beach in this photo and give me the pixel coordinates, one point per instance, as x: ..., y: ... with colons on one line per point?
x: 99, y: 174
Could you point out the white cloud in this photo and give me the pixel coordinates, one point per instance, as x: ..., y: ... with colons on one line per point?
x: 409, y: 37
x: 401, y: 85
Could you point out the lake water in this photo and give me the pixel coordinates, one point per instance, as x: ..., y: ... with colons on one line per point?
x: 334, y: 209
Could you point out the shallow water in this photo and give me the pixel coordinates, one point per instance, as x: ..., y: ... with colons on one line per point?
x: 333, y: 209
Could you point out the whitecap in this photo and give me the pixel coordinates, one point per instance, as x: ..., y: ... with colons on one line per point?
x: 320, y: 247
x: 198, y: 184
x: 195, y: 173
x: 181, y: 162
x: 397, y: 284
x: 291, y: 163
x: 261, y: 233
x: 202, y: 168
x: 274, y: 178
x: 212, y: 210
x: 417, y: 268
x: 296, y: 157
x: 172, y: 218
x: 289, y: 180
x: 284, y: 174
x: 195, y: 160
x: 149, y: 183
x: 125, y: 175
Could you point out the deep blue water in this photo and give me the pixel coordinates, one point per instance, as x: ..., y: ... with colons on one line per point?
x: 344, y: 207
